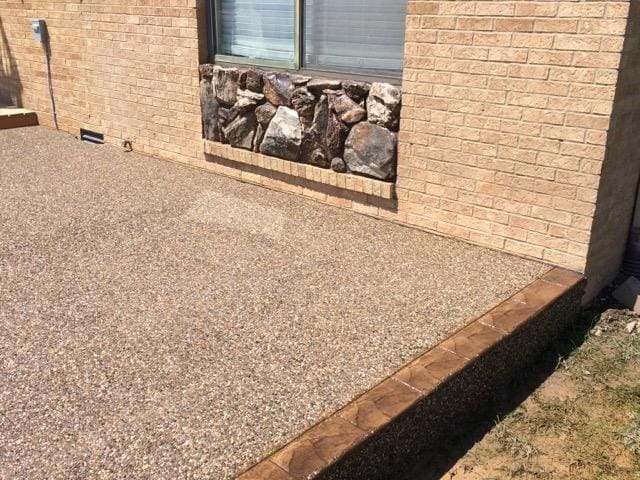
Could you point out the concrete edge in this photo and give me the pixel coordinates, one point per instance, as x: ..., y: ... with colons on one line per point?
x: 413, y: 409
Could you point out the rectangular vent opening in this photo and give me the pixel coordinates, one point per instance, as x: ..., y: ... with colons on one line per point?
x: 88, y: 136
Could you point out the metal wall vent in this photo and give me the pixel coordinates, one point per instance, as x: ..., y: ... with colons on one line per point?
x: 88, y: 136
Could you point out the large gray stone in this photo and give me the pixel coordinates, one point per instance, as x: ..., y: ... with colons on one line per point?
x: 206, y: 70
x: 320, y: 117
x: 357, y: 91
x: 312, y: 151
x: 226, y: 85
x: 258, y: 138
x: 224, y: 118
x: 338, y: 165
x: 257, y: 97
x: 209, y: 108
x: 303, y: 102
x: 264, y: 114
x: 371, y: 150
x: 242, y: 78
x: 318, y: 85
x: 253, y: 80
x: 247, y: 101
x: 383, y: 105
x: 284, y: 135
x: 244, y: 105
x: 241, y: 131
x: 300, y: 80
x: 210, y: 121
x: 206, y: 90
x: 346, y: 109
x: 336, y: 134
x: 278, y: 88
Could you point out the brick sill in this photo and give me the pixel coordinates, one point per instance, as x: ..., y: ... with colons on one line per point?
x: 345, y: 181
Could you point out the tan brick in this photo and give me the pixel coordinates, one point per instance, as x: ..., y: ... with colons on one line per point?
x: 513, y: 25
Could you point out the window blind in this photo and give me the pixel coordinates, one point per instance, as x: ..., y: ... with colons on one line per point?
x: 258, y: 29
x: 354, y: 34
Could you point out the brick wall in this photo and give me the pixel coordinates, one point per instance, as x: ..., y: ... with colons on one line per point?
x: 127, y: 68
x: 506, y: 111
x: 505, y: 135
x: 621, y: 166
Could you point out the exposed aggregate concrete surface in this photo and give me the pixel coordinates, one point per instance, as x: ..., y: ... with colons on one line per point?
x: 158, y: 321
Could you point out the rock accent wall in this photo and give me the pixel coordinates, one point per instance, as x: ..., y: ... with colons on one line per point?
x: 347, y: 126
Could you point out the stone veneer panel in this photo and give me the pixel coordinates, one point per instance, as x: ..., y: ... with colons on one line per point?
x: 347, y: 126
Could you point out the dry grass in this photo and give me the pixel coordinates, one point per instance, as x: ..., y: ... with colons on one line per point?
x: 582, y: 422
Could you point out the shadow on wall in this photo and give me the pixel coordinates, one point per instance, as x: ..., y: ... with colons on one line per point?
x: 620, y: 168
x: 10, y: 85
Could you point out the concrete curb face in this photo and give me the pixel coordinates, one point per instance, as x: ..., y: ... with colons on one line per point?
x: 415, y: 407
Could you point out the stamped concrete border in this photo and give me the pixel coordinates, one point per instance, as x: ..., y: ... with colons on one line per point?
x: 413, y: 409
x: 324, y: 176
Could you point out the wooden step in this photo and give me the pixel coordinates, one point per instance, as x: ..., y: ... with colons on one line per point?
x: 11, y: 117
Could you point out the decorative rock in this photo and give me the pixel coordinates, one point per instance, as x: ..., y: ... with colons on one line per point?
x: 278, y: 88
x: 318, y: 85
x: 210, y: 127
x: 300, y: 80
x: 371, y: 150
x: 206, y: 70
x: 311, y: 151
x: 299, y: 118
x: 226, y: 85
x: 256, y: 97
x: 336, y: 134
x: 318, y: 158
x: 242, y: 78
x: 306, y: 123
x: 347, y: 110
x: 284, y: 135
x: 206, y: 90
x: 320, y: 118
x: 241, y: 131
x: 224, y: 115
x: 247, y: 100
x: 254, y: 80
x: 383, y: 105
x: 244, y: 104
x: 264, y: 114
x: 303, y: 102
x: 258, y: 138
x: 338, y: 165
x: 356, y: 90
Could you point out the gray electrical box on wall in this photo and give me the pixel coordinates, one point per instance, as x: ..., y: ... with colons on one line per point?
x: 38, y: 29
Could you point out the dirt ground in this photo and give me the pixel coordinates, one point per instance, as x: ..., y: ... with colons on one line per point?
x: 575, y: 416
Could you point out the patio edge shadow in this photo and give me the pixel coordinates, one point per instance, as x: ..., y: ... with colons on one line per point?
x: 417, y: 406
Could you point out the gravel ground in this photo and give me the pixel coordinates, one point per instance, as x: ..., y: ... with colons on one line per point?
x: 158, y: 321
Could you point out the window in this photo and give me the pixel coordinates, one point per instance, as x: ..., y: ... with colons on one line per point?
x: 351, y: 36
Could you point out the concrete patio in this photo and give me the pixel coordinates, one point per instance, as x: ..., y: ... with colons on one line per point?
x: 158, y: 321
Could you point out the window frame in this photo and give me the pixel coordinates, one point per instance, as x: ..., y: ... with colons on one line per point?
x: 214, y: 31
x: 259, y: 62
